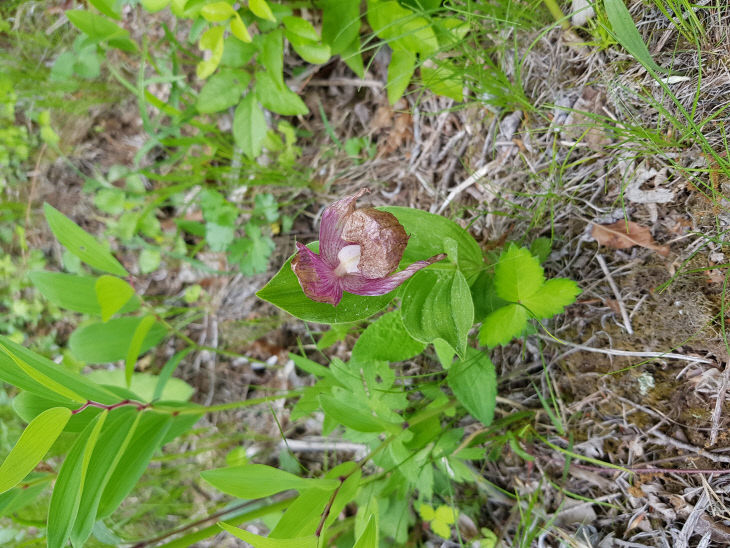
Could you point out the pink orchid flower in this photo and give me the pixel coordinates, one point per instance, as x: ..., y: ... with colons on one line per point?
x: 358, y: 251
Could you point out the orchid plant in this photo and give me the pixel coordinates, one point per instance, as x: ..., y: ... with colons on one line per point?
x: 359, y: 250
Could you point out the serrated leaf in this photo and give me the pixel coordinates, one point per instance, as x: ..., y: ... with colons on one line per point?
x: 253, y: 481
x: 249, y: 126
x: 400, y: 71
x: 80, y: 243
x: 358, y: 418
x: 503, y: 325
x: 386, y: 339
x: 31, y: 447
x: 261, y: 9
x: 112, y: 294
x: 252, y: 254
x: 552, y: 297
x: 474, y: 383
x: 518, y: 274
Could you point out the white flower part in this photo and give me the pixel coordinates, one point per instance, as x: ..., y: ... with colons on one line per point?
x: 349, y: 257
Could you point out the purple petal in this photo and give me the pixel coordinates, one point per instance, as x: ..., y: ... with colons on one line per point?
x: 316, y: 277
x: 331, y: 226
x: 360, y: 285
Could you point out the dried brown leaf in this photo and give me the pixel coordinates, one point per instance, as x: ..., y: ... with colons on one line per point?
x: 622, y: 235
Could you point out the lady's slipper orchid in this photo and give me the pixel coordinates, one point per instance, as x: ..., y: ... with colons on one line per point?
x: 358, y: 251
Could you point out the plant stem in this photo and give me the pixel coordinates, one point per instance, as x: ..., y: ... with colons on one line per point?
x: 557, y: 13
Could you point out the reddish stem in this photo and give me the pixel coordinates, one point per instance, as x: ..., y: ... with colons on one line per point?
x: 89, y: 403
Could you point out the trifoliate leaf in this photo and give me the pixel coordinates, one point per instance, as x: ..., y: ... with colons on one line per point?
x: 518, y: 274
x: 502, y: 325
x: 552, y: 297
x: 252, y: 253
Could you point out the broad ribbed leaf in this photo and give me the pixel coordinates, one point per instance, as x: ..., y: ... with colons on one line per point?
x: 474, y: 383
x: 258, y: 541
x: 252, y: 481
x: 66, y: 496
x: 34, y: 443
x: 110, y: 341
x: 147, y: 437
x: 80, y: 243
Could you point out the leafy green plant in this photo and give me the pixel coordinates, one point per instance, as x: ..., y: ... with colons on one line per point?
x: 415, y: 454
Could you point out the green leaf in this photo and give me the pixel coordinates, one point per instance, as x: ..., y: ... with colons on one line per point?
x: 386, y: 339
x: 77, y: 293
x: 267, y: 542
x: 135, y: 346
x: 400, y: 70
x: 427, y: 234
x: 106, y: 7
x: 112, y: 293
x: 261, y: 9
x: 144, y: 384
x: 625, y: 31
x: 66, y: 496
x: 484, y: 295
x: 100, y: 29
x: 442, y: 78
x: 503, y: 325
x: 154, y: 6
x: 249, y: 126
x: 112, y: 444
x: 474, y: 383
x: 149, y: 260
x: 303, y: 516
x: 151, y: 430
x: 340, y: 24
x: 239, y: 30
x: 552, y: 297
x: 305, y: 40
x: 12, y: 373
x: 369, y: 537
x: 252, y: 253
x: 110, y: 341
x: 272, y: 52
x: 253, y: 481
x: 222, y: 90
x: 298, y: 29
x: 437, y: 304
x: 276, y: 97
x: 80, y: 243
x: 541, y: 248
x: 284, y: 291
x: 518, y: 274
x: 212, y: 39
x: 217, y: 12
x: 401, y: 28
x: 41, y: 378
x: 358, y: 418
x: 34, y: 443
